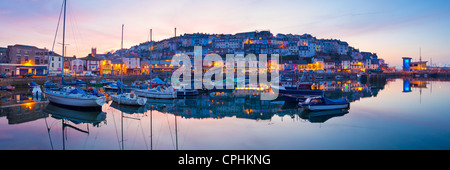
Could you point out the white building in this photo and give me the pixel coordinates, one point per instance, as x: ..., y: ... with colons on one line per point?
x: 78, y: 65
x: 133, y: 64
x: 56, y: 65
x: 307, y: 50
x: 233, y: 44
x: 342, y: 48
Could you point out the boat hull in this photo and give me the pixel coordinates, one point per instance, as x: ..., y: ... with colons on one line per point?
x: 156, y: 95
x: 187, y: 93
x: 326, y: 107
x: 127, y: 101
x: 74, y: 100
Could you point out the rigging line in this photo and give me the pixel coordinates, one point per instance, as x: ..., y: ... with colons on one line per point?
x: 185, y: 135
x: 143, y: 134
x: 74, y: 31
x: 134, y: 138
x: 48, y: 131
x: 159, y: 132
x: 54, y: 39
x: 170, y: 130
x: 115, y: 126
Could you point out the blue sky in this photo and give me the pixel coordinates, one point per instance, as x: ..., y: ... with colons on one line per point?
x: 390, y: 28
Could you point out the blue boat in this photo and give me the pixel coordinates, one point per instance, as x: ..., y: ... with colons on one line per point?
x: 320, y: 103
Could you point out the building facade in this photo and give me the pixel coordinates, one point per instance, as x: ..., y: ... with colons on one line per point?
x: 24, y: 59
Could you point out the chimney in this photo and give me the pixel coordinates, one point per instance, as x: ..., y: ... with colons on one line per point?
x: 94, y: 51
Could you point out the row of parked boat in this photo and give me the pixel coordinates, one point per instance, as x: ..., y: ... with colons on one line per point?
x: 68, y: 95
x: 76, y: 94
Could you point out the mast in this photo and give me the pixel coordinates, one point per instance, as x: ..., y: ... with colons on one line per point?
x: 420, y: 52
x: 64, y: 39
x: 151, y: 36
x: 121, y: 67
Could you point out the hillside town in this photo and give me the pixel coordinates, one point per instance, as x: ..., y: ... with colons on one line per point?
x: 298, y: 53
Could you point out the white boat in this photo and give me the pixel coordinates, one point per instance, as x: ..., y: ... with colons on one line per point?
x: 75, y: 99
x: 158, y: 93
x: 320, y: 103
x: 129, y: 99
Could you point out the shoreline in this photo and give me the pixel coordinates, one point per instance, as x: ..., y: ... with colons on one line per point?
x: 23, y: 82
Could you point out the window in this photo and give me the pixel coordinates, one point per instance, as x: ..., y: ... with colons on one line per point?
x: 36, y: 60
x: 19, y: 60
x: 53, y: 64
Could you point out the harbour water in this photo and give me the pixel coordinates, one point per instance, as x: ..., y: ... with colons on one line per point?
x: 394, y: 115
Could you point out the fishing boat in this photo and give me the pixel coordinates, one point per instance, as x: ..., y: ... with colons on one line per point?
x: 73, y: 97
x: 320, y: 103
x: 158, y: 93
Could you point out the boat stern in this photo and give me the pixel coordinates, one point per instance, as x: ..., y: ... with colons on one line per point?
x: 101, y: 101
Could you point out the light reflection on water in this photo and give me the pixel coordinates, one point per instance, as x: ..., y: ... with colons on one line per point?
x: 397, y: 114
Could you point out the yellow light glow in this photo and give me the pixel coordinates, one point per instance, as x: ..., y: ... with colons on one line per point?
x: 28, y: 63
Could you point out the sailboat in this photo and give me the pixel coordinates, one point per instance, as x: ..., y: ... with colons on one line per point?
x: 127, y: 98
x: 69, y: 96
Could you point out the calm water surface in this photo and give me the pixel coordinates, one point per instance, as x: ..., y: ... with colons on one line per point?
x: 397, y: 114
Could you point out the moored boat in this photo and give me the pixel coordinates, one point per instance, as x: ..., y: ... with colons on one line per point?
x: 320, y: 103
x: 129, y: 99
x: 158, y: 92
x: 72, y: 97
x: 75, y: 98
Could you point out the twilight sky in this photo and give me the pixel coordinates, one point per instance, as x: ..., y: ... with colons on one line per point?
x: 390, y: 28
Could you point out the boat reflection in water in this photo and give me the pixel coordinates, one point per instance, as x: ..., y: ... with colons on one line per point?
x: 89, y: 117
x: 322, y: 116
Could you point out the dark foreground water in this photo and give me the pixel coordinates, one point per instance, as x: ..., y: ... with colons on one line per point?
x: 397, y: 114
